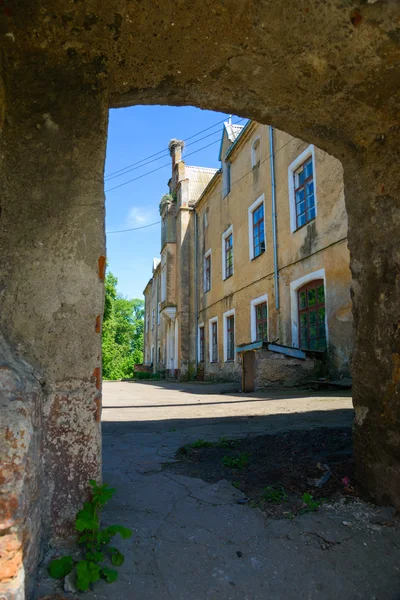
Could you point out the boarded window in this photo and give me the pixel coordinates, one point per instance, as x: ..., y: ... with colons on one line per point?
x: 201, y: 344
x: 312, y: 332
x: 214, y: 342
x: 207, y: 273
x: 261, y: 321
x: 230, y: 338
x: 304, y: 193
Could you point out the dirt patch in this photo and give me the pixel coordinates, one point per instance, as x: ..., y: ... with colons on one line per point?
x: 275, y: 471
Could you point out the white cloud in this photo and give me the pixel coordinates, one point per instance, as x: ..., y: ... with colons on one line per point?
x: 139, y: 216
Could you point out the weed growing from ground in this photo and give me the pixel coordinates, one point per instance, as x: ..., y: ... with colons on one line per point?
x: 201, y: 444
x: 274, y: 495
x: 95, y: 544
x: 236, y: 463
x: 311, y: 504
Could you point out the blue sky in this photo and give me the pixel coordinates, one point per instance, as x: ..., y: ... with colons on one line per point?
x: 134, y: 134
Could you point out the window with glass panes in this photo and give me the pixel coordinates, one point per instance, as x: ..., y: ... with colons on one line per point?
x: 304, y: 193
x: 201, y: 344
x: 207, y: 273
x: 214, y: 341
x: 312, y: 333
x: 261, y: 321
x: 230, y: 338
x: 258, y: 230
x: 229, y: 255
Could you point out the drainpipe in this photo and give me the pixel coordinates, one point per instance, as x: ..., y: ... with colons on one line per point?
x: 196, y: 305
x: 156, y: 324
x: 273, y: 197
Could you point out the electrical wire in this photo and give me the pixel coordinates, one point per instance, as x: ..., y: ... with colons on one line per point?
x: 158, y: 168
x: 166, y: 154
x: 214, y: 195
x: 165, y: 150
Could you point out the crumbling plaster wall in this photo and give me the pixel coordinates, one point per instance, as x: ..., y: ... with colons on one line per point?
x: 325, y: 72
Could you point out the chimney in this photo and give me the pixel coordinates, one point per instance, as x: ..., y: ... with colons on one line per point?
x: 175, y: 149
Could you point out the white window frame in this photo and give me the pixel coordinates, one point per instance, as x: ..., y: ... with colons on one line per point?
x: 294, y: 303
x: 199, y: 326
x: 147, y: 323
x: 226, y: 234
x: 159, y: 314
x: 253, y: 320
x: 310, y: 151
x: 153, y: 318
x: 210, y: 322
x: 260, y: 200
x: 206, y: 255
x: 254, y: 162
x: 229, y: 313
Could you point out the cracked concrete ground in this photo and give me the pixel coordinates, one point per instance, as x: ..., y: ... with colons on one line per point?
x: 192, y: 541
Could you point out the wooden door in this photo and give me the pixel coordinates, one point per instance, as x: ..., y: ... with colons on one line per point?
x: 249, y: 371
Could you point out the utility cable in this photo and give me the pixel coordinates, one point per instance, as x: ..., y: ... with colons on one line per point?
x: 165, y: 150
x: 214, y: 195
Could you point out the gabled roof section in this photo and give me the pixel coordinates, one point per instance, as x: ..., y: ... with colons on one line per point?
x: 199, y: 178
x: 230, y: 132
x: 156, y: 262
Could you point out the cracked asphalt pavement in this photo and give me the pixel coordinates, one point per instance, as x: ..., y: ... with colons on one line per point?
x: 192, y: 540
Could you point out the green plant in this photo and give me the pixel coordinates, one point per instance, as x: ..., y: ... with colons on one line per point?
x: 95, y: 543
x: 236, y: 463
x: 236, y: 484
x: 311, y: 505
x: 275, y: 495
x: 223, y: 442
x: 201, y: 444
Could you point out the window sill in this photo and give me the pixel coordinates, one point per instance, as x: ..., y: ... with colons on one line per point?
x: 213, y: 362
x: 230, y: 360
x: 305, y: 225
x: 229, y: 276
x: 258, y: 256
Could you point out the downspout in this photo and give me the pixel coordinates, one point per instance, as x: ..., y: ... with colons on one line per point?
x: 196, y: 304
x: 157, y: 317
x: 273, y: 198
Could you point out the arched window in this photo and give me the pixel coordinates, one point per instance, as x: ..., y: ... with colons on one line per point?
x: 256, y: 153
x: 311, y: 306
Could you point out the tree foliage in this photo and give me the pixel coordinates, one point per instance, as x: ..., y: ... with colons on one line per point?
x: 123, y: 325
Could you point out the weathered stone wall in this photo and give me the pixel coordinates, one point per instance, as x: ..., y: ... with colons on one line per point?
x: 51, y: 301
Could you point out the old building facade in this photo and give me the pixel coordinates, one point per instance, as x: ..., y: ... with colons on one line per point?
x: 254, y: 251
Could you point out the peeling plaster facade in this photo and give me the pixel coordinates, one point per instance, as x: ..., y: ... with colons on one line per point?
x: 327, y: 74
x: 315, y: 251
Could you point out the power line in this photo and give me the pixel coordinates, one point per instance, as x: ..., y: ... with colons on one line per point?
x: 134, y: 228
x: 143, y: 160
x: 158, y: 168
x: 166, y: 154
x: 216, y: 194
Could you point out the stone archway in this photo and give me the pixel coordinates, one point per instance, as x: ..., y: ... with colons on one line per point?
x: 327, y: 73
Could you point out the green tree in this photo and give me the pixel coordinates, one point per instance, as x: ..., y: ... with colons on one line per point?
x: 123, y: 326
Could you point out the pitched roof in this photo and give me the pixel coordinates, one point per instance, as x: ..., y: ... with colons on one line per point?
x: 232, y: 132
x: 199, y: 178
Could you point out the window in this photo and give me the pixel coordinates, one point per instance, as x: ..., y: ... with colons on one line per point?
x: 147, y: 322
x: 258, y: 231
x: 207, y: 271
x: 213, y: 340
x: 256, y: 228
x: 159, y: 313
x: 227, y: 253
x: 152, y: 354
x: 311, y: 307
x: 205, y: 218
x: 229, y: 335
x: 153, y: 318
x: 302, y: 190
x: 261, y: 321
x: 304, y: 193
x: 201, y: 343
x: 256, y: 153
x: 159, y: 355
x: 259, y: 318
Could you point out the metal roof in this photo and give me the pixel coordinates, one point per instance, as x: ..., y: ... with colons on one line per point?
x: 199, y: 178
